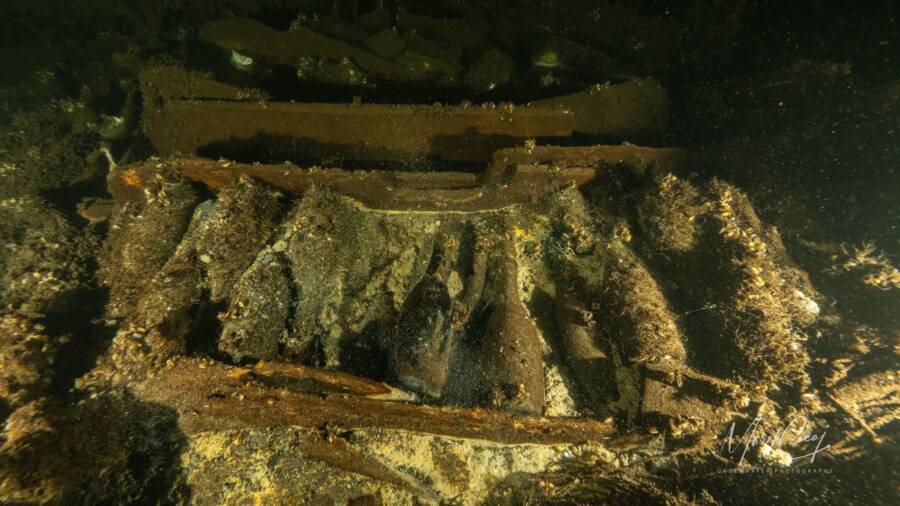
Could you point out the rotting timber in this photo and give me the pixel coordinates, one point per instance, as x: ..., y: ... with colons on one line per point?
x: 217, y: 396
x: 515, y: 176
x: 189, y: 114
x: 273, y: 394
x: 288, y: 263
x: 185, y: 113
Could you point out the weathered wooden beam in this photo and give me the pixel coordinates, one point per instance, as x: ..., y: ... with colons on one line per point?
x: 624, y: 109
x: 188, y: 113
x: 515, y: 176
x: 388, y: 190
x: 339, y: 454
x: 276, y: 47
x: 587, y: 159
x: 311, y: 380
x: 375, y: 132
x: 218, y: 397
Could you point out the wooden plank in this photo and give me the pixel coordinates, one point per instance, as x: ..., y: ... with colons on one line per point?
x: 218, y: 397
x: 638, y: 158
x: 362, y: 132
x: 386, y: 190
x: 515, y: 176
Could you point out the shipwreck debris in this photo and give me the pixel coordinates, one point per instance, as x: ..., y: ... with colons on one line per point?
x: 632, y: 107
x: 207, y: 116
x: 215, y: 397
x: 203, y: 117
x: 515, y: 176
x: 376, y: 189
x: 256, y: 40
x: 579, y: 164
x: 376, y: 132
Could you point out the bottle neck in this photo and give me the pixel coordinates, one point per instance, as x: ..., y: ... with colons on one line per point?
x: 509, y: 271
x: 435, y: 265
x: 442, y: 256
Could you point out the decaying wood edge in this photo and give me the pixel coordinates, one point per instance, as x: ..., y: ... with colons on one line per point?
x: 515, y: 176
x: 311, y: 379
x: 638, y: 158
x: 387, y: 190
x: 401, y: 133
x: 340, y: 454
x: 219, y: 397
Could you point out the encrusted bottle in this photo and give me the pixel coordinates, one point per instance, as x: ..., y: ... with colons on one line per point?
x: 513, y: 346
x: 592, y: 365
x: 423, y: 340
